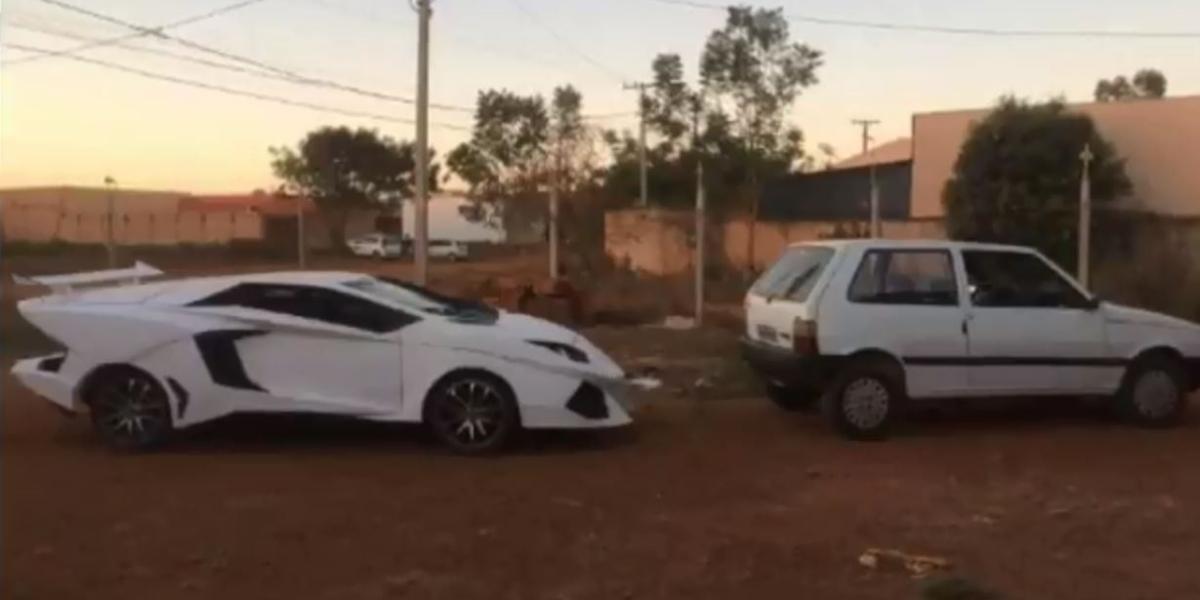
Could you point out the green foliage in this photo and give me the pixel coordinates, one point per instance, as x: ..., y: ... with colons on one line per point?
x: 342, y: 169
x: 1017, y: 178
x: 1146, y: 84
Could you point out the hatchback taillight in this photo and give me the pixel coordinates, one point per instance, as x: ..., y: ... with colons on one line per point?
x: 804, y: 337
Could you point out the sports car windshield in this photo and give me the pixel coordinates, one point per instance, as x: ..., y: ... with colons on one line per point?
x: 422, y: 299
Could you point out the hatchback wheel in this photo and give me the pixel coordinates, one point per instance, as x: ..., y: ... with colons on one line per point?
x: 472, y: 413
x: 862, y: 401
x: 1154, y: 393
x: 130, y: 410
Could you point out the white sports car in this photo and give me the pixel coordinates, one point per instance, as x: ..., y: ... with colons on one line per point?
x: 149, y: 358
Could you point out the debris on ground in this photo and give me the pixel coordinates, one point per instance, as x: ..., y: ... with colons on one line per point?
x: 677, y: 322
x: 916, y: 564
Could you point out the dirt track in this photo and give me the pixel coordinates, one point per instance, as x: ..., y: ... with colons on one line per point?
x: 712, y: 494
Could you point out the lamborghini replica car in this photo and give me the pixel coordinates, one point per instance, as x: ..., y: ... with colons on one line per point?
x: 146, y: 359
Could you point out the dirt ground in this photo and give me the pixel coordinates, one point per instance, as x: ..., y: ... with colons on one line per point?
x: 712, y: 493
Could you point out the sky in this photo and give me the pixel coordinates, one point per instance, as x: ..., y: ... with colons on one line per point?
x: 68, y: 123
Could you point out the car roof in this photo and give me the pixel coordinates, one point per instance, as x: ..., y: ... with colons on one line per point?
x: 882, y: 243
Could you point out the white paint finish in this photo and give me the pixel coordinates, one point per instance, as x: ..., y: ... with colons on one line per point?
x: 1108, y: 332
x: 310, y: 366
x: 376, y: 245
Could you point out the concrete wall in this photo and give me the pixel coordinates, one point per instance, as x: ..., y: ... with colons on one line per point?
x: 660, y: 241
x: 1159, y: 140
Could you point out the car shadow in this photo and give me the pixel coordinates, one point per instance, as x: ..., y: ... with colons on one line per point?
x: 958, y: 417
x: 292, y: 433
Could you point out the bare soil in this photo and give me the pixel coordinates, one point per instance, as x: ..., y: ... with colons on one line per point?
x: 712, y: 493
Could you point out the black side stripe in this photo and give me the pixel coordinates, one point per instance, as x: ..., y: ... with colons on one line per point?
x: 221, y: 357
x: 1015, y: 361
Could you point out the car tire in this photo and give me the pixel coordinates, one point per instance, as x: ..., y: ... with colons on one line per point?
x: 1154, y: 392
x: 863, y: 400
x: 129, y: 408
x: 472, y: 412
x: 789, y: 398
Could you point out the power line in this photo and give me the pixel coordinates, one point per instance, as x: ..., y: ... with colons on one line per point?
x: 156, y: 31
x: 566, y: 42
x: 294, y: 76
x: 234, y: 91
x: 944, y: 29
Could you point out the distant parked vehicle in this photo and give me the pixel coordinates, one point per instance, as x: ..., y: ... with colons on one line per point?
x: 448, y: 249
x: 862, y: 326
x: 377, y: 245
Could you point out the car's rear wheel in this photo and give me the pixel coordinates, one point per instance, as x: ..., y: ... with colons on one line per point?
x: 789, y: 398
x: 472, y: 412
x: 129, y: 409
x: 1154, y: 393
x: 863, y: 400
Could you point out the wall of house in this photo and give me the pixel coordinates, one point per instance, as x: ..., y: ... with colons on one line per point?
x: 660, y: 241
x: 1159, y: 140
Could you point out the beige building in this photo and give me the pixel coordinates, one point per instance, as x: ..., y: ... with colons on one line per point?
x: 1159, y: 140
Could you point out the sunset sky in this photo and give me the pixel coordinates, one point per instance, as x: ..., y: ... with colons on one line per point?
x: 64, y: 122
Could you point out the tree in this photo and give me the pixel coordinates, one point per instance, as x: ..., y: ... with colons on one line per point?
x: 342, y: 169
x: 1016, y: 179
x: 752, y: 69
x: 1146, y: 84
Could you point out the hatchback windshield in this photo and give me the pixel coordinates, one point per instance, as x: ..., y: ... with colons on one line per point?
x: 794, y: 274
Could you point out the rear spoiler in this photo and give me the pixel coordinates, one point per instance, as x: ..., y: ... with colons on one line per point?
x: 65, y: 283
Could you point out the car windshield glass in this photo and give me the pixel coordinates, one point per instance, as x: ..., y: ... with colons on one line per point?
x: 422, y: 299
x: 794, y: 274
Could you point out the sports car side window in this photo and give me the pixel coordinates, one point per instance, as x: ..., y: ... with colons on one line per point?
x: 318, y: 304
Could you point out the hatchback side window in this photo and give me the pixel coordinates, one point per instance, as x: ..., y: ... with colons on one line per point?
x: 905, y: 277
x: 1017, y: 279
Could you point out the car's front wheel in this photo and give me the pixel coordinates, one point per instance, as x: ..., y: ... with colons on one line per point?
x: 1154, y: 393
x: 129, y: 409
x: 472, y: 412
x: 863, y: 400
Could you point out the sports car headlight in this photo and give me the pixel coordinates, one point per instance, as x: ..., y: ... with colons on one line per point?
x: 567, y: 350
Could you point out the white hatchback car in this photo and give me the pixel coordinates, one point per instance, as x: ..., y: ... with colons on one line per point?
x: 448, y: 249
x: 864, y: 325
x: 377, y: 245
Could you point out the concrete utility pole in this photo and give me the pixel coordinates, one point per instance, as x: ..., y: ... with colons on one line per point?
x: 874, y: 193
x: 554, y: 181
x: 421, y: 210
x: 109, y: 240
x: 300, y: 241
x: 1085, y: 214
x: 701, y: 221
x: 641, y: 88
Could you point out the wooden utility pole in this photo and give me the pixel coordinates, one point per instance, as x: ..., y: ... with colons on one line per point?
x: 421, y: 210
x: 554, y: 183
x: 700, y: 217
x: 110, y: 244
x: 642, y: 180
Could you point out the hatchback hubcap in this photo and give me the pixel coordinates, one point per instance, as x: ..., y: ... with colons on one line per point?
x: 1155, y: 394
x: 865, y: 403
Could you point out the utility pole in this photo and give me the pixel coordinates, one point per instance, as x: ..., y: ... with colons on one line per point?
x: 1085, y: 214
x: 554, y: 180
x: 874, y: 191
x: 300, y: 241
x: 641, y: 88
x: 701, y: 221
x: 421, y: 210
x: 109, y: 240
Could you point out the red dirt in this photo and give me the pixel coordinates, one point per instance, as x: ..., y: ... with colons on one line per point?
x: 713, y: 493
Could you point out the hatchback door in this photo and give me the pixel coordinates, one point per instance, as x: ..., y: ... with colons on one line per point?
x: 783, y: 293
x: 1031, y: 330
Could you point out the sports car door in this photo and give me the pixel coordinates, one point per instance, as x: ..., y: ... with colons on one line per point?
x: 312, y: 348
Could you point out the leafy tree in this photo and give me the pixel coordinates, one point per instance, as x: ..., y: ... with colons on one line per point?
x: 752, y: 69
x: 343, y: 169
x: 1016, y: 179
x: 1146, y: 84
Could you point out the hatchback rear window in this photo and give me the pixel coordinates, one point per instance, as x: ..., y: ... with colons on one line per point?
x: 792, y: 276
